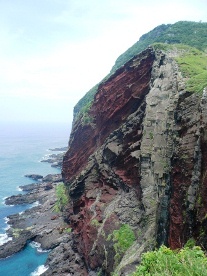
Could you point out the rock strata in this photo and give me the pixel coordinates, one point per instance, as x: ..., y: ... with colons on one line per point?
x: 141, y: 162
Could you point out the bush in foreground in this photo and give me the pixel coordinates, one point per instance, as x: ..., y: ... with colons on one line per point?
x: 164, y: 261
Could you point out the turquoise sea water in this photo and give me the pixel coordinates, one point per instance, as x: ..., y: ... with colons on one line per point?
x: 22, y: 146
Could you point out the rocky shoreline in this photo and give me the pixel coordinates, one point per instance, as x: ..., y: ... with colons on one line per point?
x: 42, y: 224
x: 55, y: 159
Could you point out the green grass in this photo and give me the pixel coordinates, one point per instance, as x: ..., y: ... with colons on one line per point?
x: 83, y: 106
x: 189, y: 261
x: 192, y: 63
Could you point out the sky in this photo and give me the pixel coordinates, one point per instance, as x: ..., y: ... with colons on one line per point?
x: 53, y: 51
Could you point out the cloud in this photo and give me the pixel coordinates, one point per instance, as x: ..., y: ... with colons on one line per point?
x: 54, y: 51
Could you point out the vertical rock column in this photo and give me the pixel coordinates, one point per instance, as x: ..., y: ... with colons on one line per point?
x: 157, y: 146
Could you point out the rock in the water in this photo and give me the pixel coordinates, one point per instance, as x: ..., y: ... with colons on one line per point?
x: 34, y: 176
x: 52, y: 178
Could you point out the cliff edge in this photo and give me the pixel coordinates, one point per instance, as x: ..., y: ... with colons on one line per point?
x: 136, y: 169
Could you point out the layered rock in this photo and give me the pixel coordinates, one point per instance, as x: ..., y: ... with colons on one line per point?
x: 141, y: 162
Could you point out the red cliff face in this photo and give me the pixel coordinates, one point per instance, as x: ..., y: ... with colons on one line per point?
x: 116, y: 98
x: 185, y: 167
x: 141, y: 162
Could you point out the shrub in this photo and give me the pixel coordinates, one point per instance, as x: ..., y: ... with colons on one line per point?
x: 123, y: 238
x: 95, y: 223
x: 190, y: 260
x: 68, y: 230
x: 62, y: 198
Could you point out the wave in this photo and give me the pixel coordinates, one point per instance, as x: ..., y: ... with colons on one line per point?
x: 45, y: 157
x: 19, y: 189
x: 39, y: 270
x: 35, y: 204
x: 3, y: 200
x: 37, y: 246
x: 6, y: 220
x: 4, y: 238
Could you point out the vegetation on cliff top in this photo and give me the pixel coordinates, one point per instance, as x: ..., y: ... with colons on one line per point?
x: 192, y: 63
x: 84, y: 103
x: 193, y: 34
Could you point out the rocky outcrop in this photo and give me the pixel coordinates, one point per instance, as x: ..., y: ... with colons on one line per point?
x: 141, y: 162
x: 43, y: 225
x: 55, y: 160
x: 39, y: 222
x: 34, y: 176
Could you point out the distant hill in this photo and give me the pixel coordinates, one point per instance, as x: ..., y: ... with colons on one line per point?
x: 189, y: 33
x: 193, y: 34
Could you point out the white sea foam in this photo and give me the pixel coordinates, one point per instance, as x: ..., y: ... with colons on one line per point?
x: 3, y: 200
x: 4, y: 238
x: 40, y: 269
x: 6, y: 221
x: 45, y: 157
x: 34, y: 244
x: 8, y: 205
x: 19, y: 189
x: 37, y: 245
x: 35, y: 204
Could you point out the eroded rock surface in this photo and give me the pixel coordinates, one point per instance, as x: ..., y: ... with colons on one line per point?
x: 141, y: 161
x: 42, y: 224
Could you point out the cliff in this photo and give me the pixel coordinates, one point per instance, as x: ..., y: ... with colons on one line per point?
x: 136, y: 168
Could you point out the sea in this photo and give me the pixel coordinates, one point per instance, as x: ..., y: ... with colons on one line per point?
x: 22, y: 147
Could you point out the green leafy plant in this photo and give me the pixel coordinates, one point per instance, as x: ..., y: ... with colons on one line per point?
x: 190, y: 260
x: 94, y: 222
x: 123, y: 238
x: 68, y: 230
x: 151, y: 135
x: 62, y: 198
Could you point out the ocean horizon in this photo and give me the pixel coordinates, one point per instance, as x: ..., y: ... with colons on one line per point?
x: 23, y: 146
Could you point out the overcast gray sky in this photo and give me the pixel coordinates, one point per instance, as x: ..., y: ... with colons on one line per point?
x: 53, y: 51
